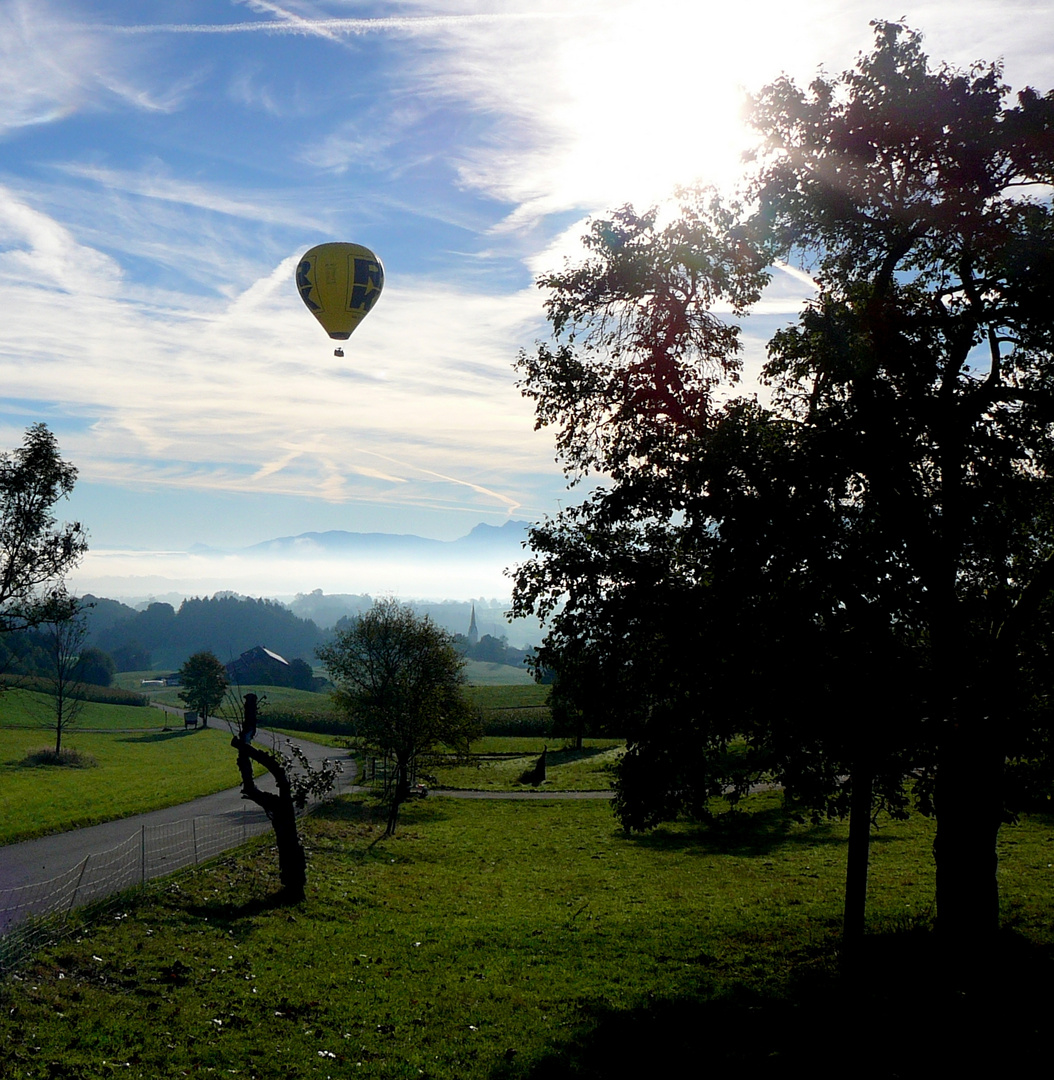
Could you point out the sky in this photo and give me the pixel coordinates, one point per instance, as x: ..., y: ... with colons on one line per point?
x: 163, y: 166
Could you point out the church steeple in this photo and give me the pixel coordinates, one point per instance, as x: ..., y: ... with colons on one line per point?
x: 473, y: 633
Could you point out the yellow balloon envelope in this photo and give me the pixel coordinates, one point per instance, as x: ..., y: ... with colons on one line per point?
x: 339, y: 283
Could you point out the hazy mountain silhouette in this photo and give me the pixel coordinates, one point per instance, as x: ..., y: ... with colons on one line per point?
x: 491, y: 540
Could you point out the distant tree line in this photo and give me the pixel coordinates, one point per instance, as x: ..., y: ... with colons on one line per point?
x: 162, y: 637
x: 491, y: 650
x: 30, y: 652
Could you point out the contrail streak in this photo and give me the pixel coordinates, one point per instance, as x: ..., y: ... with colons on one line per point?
x: 303, y: 27
x: 510, y: 504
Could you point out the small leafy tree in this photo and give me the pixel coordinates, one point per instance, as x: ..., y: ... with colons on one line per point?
x: 204, y: 681
x: 400, y: 678
x: 35, y: 551
x: 64, y: 634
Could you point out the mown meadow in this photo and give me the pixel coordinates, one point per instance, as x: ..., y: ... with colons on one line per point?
x: 504, y: 940
x: 137, y: 759
x: 510, y: 939
x: 130, y: 764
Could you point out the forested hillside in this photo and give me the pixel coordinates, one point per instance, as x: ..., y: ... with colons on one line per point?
x: 162, y: 637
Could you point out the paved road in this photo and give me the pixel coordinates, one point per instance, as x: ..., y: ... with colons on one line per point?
x: 35, y: 861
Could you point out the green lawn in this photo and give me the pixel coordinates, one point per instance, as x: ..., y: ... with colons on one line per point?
x: 480, y: 674
x: 34, y: 711
x: 277, y: 697
x: 504, y: 696
x: 138, y: 766
x: 589, y: 769
x: 491, y: 941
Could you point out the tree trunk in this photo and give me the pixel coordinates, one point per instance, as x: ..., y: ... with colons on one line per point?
x: 292, y: 862
x: 856, y: 865
x: 399, y: 796
x: 968, y: 804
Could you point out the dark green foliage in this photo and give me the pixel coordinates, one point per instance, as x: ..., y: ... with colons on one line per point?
x: 131, y: 657
x: 399, y: 679
x: 223, y: 624
x: 35, y: 551
x: 854, y: 583
x: 27, y: 652
x: 204, y: 681
x: 96, y: 667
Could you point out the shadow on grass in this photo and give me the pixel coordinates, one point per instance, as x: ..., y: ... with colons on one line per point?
x: 161, y: 736
x: 363, y: 810
x: 228, y: 912
x: 740, y: 833
x: 898, y: 1021
x: 557, y: 756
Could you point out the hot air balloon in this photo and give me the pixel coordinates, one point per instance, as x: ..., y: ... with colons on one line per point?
x: 339, y: 283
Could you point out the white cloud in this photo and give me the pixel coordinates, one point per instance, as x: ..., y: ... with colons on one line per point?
x: 246, y: 395
x: 117, y: 573
x: 156, y: 183
x: 44, y: 72
x: 51, y: 67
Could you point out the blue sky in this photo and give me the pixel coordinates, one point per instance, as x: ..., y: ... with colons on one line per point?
x: 163, y: 165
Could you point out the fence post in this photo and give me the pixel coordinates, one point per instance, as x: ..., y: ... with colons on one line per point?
x: 80, y: 878
x: 194, y: 833
x: 142, y: 854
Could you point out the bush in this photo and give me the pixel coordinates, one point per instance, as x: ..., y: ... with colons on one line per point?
x: 70, y: 759
x: 299, y: 720
x: 528, y: 720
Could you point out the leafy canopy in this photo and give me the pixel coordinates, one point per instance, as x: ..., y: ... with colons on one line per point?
x: 400, y: 680
x: 205, y: 684
x: 855, y: 576
x: 35, y: 551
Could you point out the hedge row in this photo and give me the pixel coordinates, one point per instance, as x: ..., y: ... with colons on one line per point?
x: 299, y: 720
x: 104, y: 695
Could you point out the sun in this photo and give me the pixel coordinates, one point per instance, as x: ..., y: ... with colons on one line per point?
x: 654, y: 95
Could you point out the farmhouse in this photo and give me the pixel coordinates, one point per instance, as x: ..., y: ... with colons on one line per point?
x: 262, y: 667
x: 257, y: 662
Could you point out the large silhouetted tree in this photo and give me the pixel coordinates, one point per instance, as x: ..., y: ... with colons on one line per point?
x: 866, y: 561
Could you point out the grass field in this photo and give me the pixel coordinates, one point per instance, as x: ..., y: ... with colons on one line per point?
x: 135, y: 772
x: 480, y: 674
x: 138, y: 766
x: 588, y: 769
x: 534, y: 940
x: 26, y: 709
x: 277, y: 697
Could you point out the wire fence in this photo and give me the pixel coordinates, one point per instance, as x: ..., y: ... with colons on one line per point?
x: 32, y: 916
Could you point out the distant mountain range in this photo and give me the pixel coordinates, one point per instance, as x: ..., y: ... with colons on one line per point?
x: 489, y: 541
x: 164, y: 631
